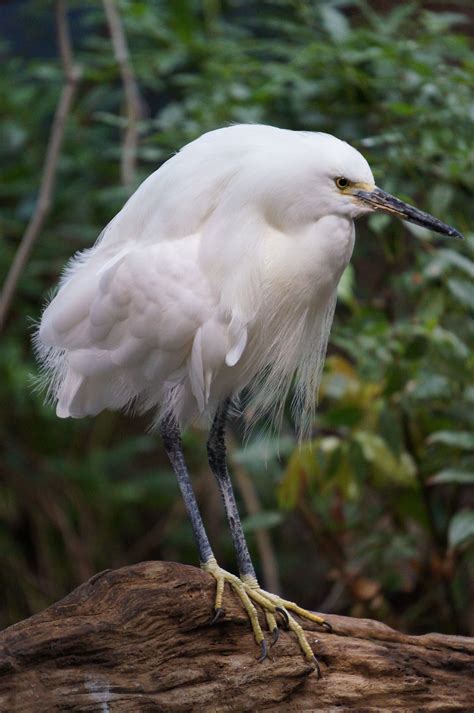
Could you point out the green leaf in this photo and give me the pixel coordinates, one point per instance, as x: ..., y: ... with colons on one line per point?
x: 461, y: 528
x: 301, y: 466
x: 457, y: 260
x: 334, y: 23
x: 441, y: 197
x: 463, y: 291
x: 429, y: 386
x: 377, y: 452
x: 263, y: 449
x: 379, y: 222
x: 452, y: 475
x: 456, y: 439
x: 345, y: 289
x: 262, y: 520
x: 446, y: 339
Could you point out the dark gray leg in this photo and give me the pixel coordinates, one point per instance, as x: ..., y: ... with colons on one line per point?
x: 172, y: 440
x: 247, y: 587
x: 216, y: 451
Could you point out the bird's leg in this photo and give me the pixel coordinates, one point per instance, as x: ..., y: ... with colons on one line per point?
x: 171, y: 436
x: 271, y: 604
x: 216, y: 451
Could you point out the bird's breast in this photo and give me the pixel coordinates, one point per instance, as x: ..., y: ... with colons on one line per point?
x: 307, y: 266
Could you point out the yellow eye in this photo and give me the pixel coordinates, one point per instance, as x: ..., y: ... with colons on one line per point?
x: 341, y: 182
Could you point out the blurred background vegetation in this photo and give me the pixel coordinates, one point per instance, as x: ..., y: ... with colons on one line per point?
x: 377, y: 517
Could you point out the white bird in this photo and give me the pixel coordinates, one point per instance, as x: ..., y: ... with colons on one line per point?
x: 218, y: 275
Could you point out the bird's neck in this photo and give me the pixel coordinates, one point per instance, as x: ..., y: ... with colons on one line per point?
x: 308, y: 265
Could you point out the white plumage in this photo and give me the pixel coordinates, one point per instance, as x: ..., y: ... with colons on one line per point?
x: 219, y: 273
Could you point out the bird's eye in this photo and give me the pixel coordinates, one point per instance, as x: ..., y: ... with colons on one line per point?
x: 341, y: 182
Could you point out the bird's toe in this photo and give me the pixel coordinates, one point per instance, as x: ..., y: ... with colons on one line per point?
x: 219, y: 614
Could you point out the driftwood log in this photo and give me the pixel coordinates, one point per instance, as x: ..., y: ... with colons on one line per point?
x: 138, y: 639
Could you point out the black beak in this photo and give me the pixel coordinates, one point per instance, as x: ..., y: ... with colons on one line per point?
x: 379, y: 200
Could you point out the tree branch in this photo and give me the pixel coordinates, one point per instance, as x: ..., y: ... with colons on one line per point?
x: 132, y: 96
x: 139, y: 639
x: 72, y: 75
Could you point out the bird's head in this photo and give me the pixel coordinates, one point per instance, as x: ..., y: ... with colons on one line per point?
x: 299, y: 177
x: 353, y: 187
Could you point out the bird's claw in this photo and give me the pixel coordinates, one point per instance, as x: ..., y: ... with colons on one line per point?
x: 327, y: 627
x: 251, y: 596
x: 219, y: 613
x: 263, y: 651
x: 316, y: 667
x: 284, y: 615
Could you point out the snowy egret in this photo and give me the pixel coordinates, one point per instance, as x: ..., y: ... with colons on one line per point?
x: 218, y: 275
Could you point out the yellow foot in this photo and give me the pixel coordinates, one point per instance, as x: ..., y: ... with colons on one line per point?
x: 249, y: 592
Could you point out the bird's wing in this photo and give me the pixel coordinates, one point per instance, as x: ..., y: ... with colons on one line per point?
x: 122, y: 326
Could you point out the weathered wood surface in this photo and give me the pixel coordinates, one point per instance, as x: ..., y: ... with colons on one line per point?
x: 137, y: 639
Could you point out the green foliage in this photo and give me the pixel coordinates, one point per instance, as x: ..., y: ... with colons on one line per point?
x: 461, y: 528
x: 376, y: 513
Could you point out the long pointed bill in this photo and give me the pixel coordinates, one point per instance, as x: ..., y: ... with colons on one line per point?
x: 379, y: 200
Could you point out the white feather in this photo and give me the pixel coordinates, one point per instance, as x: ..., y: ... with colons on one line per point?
x: 220, y: 273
